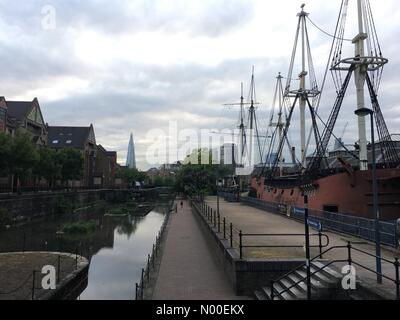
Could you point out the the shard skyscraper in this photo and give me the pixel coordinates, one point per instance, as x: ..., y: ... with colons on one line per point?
x: 131, y: 158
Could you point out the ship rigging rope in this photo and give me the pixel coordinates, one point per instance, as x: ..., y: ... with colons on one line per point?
x: 327, y: 33
x: 338, y: 29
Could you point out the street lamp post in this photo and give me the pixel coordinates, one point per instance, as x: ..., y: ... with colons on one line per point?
x: 307, y: 244
x: 363, y: 112
x: 219, y: 184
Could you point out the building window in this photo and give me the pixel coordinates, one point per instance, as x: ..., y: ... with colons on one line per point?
x: 69, y: 142
x: 55, y: 141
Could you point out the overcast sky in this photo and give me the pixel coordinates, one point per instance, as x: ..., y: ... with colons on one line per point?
x: 134, y: 65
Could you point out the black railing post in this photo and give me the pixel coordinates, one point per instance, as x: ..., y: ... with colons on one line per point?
x: 215, y: 219
x: 136, y: 291
x: 33, y: 285
x: 231, y: 231
x: 349, y: 260
x: 58, y: 268
x: 152, y: 256
x: 272, y: 290
x: 142, y: 285
x: 76, y: 258
x: 148, y: 268
x: 396, y: 265
x: 24, y: 242
x: 219, y: 222
x: 320, y: 243
x: 241, y: 244
x: 224, y: 228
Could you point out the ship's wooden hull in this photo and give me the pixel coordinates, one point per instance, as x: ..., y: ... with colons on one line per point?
x: 343, y: 192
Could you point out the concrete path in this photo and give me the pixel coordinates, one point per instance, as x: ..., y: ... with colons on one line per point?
x: 253, y: 220
x: 188, y: 269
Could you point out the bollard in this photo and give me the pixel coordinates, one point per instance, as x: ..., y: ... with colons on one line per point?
x: 219, y: 223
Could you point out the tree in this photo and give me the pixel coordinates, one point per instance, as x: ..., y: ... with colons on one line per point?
x: 194, y: 178
x: 5, y: 153
x: 48, y: 166
x: 23, y: 156
x: 71, y: 164
x: 131, y: 176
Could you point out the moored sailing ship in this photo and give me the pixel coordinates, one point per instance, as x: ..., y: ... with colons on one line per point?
x: 339, y: 181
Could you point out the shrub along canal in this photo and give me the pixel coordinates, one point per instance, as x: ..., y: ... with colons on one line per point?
x: 117, y: 246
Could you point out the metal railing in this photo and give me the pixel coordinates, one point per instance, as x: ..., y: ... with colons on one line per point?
x: 151, y: 258
x: 236, y: 236
x: 357, y: 226
x: 349, y: 260
x: 320, y: 236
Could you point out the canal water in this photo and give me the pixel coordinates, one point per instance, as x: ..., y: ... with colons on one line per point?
x: 117, y: 249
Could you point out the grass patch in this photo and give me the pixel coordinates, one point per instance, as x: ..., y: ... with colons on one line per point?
x: 120, y: 211
x: 79, y: 227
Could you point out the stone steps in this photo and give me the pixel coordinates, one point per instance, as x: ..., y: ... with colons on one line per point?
x: 294, y: 285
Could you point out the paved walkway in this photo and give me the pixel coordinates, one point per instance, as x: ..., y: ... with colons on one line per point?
x: 188, y: 269
x: 253, y: 220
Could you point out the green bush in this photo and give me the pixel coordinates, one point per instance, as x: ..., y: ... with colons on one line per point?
x: 118, y: 211
x: 83, y: 227
x: 131, y: 204
x: 63, y: 206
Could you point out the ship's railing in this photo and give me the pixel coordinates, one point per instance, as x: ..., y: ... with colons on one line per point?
x: 347, y: 258
x: 355, y: 226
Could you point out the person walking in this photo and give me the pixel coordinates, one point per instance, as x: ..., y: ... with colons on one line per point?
x: 181, y: 205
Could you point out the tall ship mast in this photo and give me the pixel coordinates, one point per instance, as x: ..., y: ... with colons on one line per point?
x: 338, y: 180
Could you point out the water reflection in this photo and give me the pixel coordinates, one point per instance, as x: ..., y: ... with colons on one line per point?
x: 118, y: 248
x: 114, y: 272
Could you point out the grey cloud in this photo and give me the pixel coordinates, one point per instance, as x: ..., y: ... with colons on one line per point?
x: 211, y: 18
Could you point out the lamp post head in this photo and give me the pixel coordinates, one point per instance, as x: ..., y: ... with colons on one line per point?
x: 363, y: 112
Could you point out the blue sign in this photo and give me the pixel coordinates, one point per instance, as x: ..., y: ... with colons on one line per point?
x: 313, y: 223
